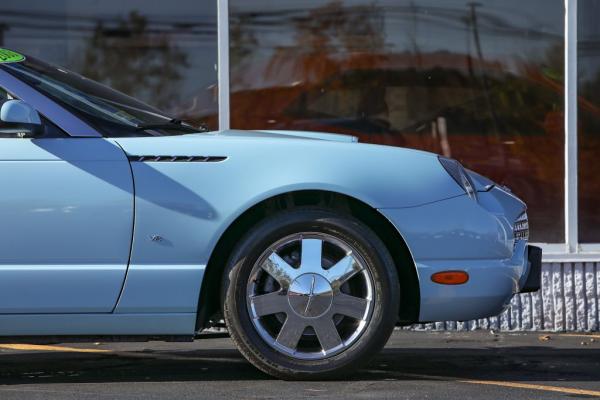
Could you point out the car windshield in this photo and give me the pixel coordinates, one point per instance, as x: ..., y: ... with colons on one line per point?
x: 109, y: 111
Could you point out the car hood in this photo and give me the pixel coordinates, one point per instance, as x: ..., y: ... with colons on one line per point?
x: 333, y: 137
x: 202, y: 143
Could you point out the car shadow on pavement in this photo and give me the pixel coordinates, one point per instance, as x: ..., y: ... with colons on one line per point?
x: 507, y: 363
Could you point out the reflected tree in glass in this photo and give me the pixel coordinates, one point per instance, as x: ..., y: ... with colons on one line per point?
x: 135, y: 60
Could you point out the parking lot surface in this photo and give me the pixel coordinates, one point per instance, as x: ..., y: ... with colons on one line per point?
x: 414, y: 365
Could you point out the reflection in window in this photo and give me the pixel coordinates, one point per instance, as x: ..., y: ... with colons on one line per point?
x: 163, y: 53
x: 588, y: 50
x: 481, y: 82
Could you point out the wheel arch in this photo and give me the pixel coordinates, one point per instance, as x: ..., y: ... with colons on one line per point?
x: 209, y: 298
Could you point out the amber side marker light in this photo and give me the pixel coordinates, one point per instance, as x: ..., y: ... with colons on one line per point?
x: 450, y: 277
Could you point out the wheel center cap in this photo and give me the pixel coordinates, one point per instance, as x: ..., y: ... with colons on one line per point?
x: 310, y: 295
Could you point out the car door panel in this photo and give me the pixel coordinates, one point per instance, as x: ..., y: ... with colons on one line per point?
x: 66, y: 220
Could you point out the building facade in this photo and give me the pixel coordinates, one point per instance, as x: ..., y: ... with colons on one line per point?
x: 509, y: 88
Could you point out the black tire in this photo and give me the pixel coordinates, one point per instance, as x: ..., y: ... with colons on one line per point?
x: 345, y: 227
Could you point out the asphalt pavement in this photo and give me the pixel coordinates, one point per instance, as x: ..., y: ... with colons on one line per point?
x: 414, y: 365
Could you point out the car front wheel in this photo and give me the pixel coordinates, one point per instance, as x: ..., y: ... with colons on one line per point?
x: 310, y: 293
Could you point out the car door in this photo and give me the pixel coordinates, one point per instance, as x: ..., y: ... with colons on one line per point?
x: 66, y: 215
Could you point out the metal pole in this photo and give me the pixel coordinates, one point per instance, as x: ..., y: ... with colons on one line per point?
x: 571, y: 213
x: 223, y: 62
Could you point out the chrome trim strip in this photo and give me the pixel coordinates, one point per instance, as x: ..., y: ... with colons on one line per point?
x: 64, y: 119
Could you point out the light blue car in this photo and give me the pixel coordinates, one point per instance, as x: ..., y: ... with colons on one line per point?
x: 120, y: 222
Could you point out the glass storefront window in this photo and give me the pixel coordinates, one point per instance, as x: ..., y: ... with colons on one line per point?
x: 588, y: 72
x: 481, y: 82
x: 163, y: 53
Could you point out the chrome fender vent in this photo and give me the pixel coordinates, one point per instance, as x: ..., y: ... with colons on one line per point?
x: 176, y: 158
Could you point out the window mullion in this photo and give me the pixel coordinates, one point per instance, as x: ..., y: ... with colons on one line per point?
x: 571, y: 213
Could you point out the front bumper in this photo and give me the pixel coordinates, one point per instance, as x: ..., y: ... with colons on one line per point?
x: 475, y: 237
x: 534, y: 274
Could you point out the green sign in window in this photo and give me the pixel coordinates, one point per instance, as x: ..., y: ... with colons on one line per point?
x: 9, y: 56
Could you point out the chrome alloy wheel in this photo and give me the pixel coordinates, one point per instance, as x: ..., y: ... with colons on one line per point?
x: 310, y: 295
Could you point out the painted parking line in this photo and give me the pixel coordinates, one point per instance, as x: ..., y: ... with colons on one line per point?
x: 545, y: 388
x: 508, y: 384
x: 36, y: 347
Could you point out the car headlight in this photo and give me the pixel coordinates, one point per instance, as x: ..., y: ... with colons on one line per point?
x: 460, y: 175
